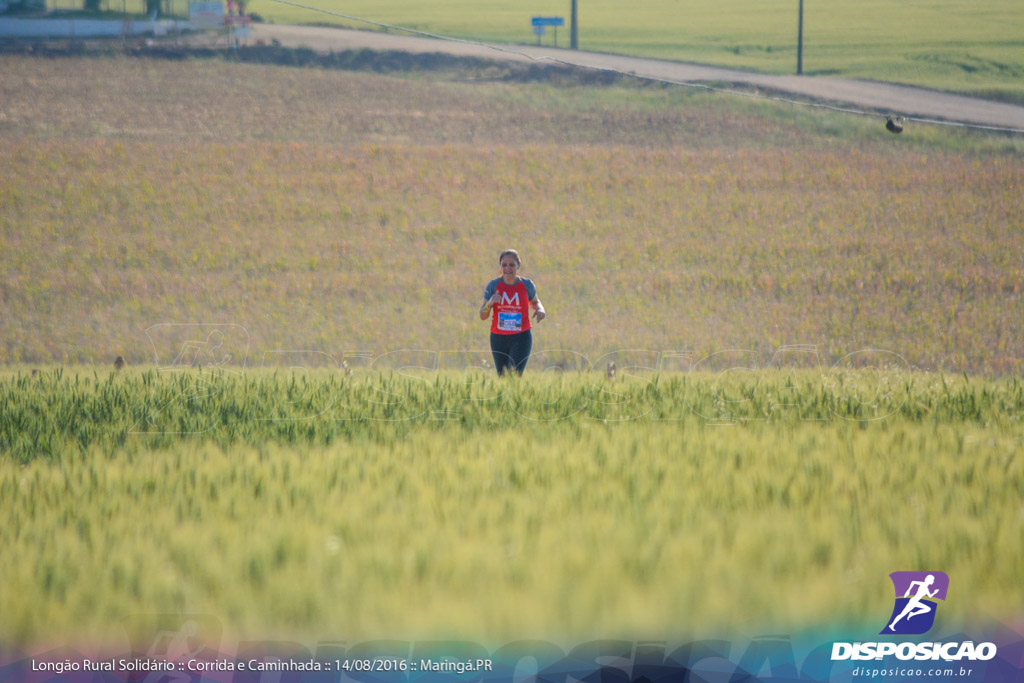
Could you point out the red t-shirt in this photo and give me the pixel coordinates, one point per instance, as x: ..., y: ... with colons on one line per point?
x: 511, y: 314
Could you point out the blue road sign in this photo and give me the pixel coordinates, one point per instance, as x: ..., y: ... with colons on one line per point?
x: 547, y: 21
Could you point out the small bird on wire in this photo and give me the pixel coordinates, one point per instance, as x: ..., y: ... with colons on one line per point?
x: 894, y: 125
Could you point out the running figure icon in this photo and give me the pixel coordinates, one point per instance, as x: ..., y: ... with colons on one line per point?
x: 915, y: 605
x: 918, y: 594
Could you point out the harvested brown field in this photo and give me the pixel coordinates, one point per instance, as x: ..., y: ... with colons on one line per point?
x: 332, y: 210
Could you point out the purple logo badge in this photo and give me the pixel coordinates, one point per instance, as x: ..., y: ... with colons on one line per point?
x: 916, y: 596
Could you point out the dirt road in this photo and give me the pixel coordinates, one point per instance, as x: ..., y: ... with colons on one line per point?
x: 882, y: 97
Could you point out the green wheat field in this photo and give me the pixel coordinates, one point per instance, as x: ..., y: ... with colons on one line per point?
x: 842, y: 309
x: 463, y: 506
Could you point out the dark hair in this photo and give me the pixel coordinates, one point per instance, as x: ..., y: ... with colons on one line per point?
x: 510, y: 252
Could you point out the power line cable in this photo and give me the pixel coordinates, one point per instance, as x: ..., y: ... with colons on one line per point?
x: 655, y: 79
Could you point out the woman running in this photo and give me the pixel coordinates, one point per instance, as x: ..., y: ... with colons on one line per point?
x: 509, y: 298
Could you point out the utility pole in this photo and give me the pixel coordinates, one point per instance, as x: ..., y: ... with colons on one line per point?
x: 799, y: 41
x: 573, y: 35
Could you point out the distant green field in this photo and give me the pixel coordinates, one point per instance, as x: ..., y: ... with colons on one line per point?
x: 958, y: 45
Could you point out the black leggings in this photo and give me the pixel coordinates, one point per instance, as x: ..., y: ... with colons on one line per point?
x: 511, y: 351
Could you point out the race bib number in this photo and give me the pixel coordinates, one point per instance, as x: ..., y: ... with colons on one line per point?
x: 510, y: 322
